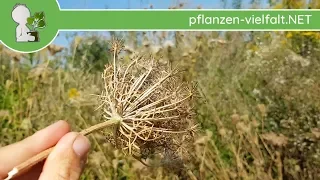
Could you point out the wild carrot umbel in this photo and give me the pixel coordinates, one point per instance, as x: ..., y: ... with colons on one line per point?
x: 150, y: 101
x: 147, y: 103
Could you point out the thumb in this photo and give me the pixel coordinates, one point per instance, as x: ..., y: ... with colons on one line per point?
x: 67, y: 159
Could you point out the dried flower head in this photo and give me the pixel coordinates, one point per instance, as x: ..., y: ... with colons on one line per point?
x: 116, y: 45
x: 54, y: 49
x: 150, y: 103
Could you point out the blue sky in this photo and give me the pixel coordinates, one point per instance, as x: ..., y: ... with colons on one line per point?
x: 132, y: 4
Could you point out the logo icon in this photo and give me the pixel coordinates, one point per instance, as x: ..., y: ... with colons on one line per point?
x: 22, y: 16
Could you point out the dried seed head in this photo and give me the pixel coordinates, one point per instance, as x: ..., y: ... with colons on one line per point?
x: 116, y: 45
x: 151, y: 103
x: 54, y: 49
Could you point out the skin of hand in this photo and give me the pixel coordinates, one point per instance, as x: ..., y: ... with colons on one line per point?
x: 65, y: 162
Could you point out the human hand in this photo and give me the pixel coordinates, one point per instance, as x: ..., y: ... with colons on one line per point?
x: 65, y: 162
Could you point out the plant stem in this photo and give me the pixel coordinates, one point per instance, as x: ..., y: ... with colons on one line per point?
x: 114, y: 68
x: 99, y: 126
x: 44, y: 154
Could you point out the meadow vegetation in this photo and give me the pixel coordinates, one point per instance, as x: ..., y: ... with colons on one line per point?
x: 257, y: 101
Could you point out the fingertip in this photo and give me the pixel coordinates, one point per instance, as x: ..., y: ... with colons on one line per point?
x: 81, y: 146
x: 49, y: 136
x: 64, y: 144
x: 64, y: 162
x: 64, y: 125
x: 60, y: 125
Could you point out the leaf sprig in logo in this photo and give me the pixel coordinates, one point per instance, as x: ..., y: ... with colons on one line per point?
x: 37, y: 21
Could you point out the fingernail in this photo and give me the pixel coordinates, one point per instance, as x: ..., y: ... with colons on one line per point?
x: 81, y: 146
